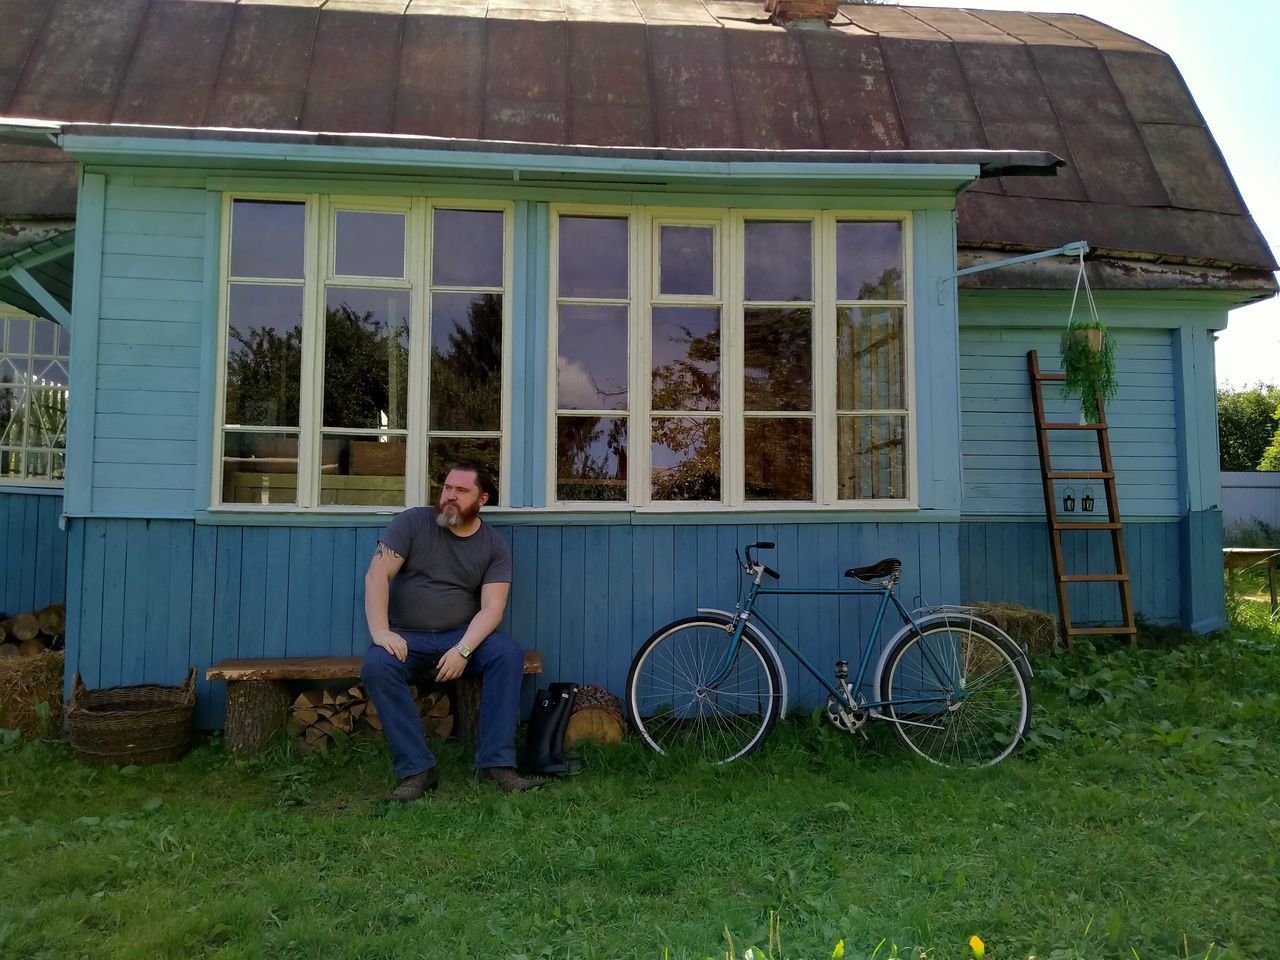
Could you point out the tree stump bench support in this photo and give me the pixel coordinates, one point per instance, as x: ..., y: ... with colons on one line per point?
x: 258, y: 695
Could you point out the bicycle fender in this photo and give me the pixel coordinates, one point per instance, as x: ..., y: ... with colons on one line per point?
x: 764, y: 641
x: 946, y: 617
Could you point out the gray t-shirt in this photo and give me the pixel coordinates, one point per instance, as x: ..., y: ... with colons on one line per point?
x: 438, y: 588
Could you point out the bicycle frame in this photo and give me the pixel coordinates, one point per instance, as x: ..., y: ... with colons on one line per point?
x: 746, y: 612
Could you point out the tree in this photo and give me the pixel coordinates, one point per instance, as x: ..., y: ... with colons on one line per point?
x: 1245, y: 425
x: 1271, y: 456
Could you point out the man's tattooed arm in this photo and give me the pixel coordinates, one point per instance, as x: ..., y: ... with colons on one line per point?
x: 385, y: 552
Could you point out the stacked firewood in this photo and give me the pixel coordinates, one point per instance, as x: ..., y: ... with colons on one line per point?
x: 31, y: 634
x: 321, y: 716
x: 597, y: 717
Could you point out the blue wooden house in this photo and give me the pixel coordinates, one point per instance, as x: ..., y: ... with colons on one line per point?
x: 682, y: 272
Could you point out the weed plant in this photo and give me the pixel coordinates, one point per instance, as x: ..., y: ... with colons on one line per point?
x: 1141, y: 820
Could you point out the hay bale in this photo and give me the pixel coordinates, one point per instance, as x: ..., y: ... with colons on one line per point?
x: 25, y: 684
x: 1035, y: 629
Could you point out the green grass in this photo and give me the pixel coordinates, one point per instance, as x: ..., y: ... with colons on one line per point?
x: 1142, y: 819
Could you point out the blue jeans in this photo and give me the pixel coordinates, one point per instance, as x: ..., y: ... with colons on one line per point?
x: 498, y: 659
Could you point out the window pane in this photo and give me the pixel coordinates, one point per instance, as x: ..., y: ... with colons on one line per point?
x: 686, y: 458
x: 871, y: 457
x: 264, y: 355
x: 869, y: 261
x: 362, y: 471
x: 259, y: 468
x: 778, y: 358
x: 591, y: 458
x: 778, y: 458
x: 444, y: 452
x: 19, y: 336
x: 11, y: 464
x: 870, y: 367
x: 368, y: 244
x: 686, y: 260
x: 64, y: 342
x: 686, y: 358
x: 466, y: 361
x: 466, y: 248
x: 14, y: 370
x: 13, y: 402
x: 366, y: 358
x: 593, y: 257
x: 47, y: 373
x: 267, y: 239
x: 779, y: 260
x: 47, y: 417
x: 46, y: 332
x: 591, y: 371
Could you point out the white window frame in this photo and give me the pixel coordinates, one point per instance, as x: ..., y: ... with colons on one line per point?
x: 643, y: 252
x: 318, y: 274
x: 26, y: 448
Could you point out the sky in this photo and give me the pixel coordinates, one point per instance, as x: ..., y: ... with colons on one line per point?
x: 1226, y: 51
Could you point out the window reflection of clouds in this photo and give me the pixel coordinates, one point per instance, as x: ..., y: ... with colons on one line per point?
x: 866, y: 256
x: 687, y: 260
x: 593, y: 257
x: 778, y: 260
x: 369, y: 244
x: 466, y: 248
x: 593, y: 357
x: 267, y: 239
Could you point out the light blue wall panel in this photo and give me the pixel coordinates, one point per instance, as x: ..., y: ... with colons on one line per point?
x: 1010, y: 562
x: 156, y: 596
x: 149, y: 356
x: 34, y: 572
x: 1001, y: 466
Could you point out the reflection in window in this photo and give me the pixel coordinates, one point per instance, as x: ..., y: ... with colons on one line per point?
x: 871, y: 457
x: 466, y: 248
x: 34, y: 395
x: 779, y: 261
x: 264, y: 355
x: 447, y: 451
x: 592, y: 365
x: 869, y: 261
x: 686, y: 260
x: 778, y: 458
x: 368, y: 244
x: 362, y: 470
x: 593, y: 258
x: 778, y: 359
x: 267, y: 239
x: 259, y: 467
x: 685, y: 458
x: 870, y: 358
x: 591, y: 458
x: 366, y: 358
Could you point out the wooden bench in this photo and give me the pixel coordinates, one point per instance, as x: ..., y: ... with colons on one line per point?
x: 259, y: 695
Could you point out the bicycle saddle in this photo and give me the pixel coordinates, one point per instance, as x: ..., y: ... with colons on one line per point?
x: 886, y: 569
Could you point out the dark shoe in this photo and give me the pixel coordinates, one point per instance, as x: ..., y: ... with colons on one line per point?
x: 412, y: 788
x: 545, y: 733
x: 569, y: 692
x: 507, y: 779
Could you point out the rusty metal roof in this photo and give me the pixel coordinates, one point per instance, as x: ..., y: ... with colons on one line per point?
x: 1143, y: 178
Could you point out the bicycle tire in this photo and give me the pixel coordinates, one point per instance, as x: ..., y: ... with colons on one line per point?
x: 672, y: 709
x: 981, y: 724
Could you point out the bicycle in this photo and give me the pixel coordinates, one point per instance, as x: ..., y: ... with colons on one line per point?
x: 954, y: 686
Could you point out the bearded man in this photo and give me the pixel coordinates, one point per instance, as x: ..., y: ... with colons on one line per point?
x: 434, y: 595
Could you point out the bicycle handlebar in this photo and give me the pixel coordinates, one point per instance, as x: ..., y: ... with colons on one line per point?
x: 752, y: 562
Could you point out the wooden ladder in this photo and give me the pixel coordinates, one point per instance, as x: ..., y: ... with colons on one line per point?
x: 1107, y: 475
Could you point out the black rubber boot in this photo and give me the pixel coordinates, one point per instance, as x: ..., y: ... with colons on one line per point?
x: 567, y: 693
x: 540, y: 744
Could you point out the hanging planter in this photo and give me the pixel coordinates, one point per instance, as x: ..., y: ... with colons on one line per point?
x: 1088, y: 357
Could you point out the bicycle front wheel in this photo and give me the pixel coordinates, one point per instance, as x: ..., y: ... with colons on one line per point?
x: 681, y: 697
x: 957, y: 696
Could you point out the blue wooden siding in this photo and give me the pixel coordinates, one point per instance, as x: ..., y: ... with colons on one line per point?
x: 998, y: 444
x: 152, y: 304
x: 1010, y: 562
x: 34, y: 573
x: 152, y: 597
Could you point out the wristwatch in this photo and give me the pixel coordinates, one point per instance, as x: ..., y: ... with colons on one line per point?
x: 464, y: 651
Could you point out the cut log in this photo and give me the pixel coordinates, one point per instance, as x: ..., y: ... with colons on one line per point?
x: 594, y: 725
x: 53, y: 620
x: 24, y: 626
x: 256, y: 715
x: 31, y: 648
x: 8, y: 650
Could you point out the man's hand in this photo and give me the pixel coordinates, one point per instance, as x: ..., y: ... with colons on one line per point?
x: 450, y: 666
x: 393, y: 643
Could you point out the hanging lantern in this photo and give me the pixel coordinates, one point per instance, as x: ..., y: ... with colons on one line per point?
x: 1086, y: 502
x: 1069, y: 500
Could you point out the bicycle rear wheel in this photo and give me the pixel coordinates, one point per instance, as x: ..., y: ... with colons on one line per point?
x: 957, y: 696
x: 673, y: 707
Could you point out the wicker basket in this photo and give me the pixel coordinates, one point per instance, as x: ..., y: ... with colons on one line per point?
x: 131, y: 725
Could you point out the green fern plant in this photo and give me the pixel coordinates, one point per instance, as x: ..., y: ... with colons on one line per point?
x: 1090, y: 367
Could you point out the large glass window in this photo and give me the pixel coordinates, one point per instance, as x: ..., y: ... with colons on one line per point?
x: 34, y: 395
x: 775, y: 348
x: 363, y: 350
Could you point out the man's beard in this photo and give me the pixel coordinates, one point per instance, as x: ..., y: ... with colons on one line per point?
x: 458, y: 517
